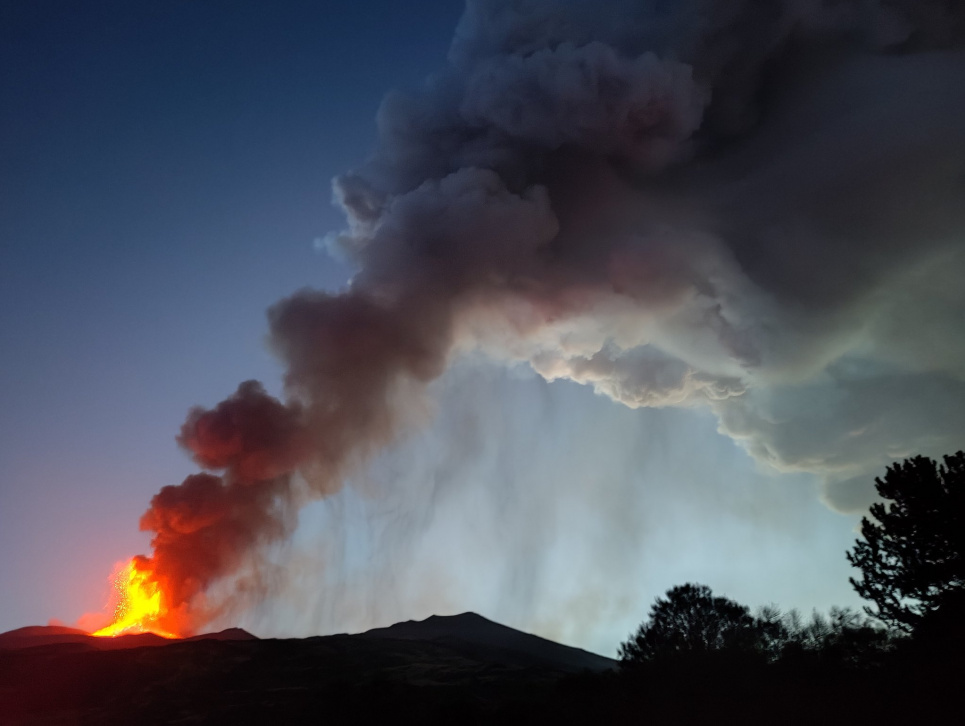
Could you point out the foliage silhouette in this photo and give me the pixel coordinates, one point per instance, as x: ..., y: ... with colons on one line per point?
x: 691, y: 624
x: 691, y: 620
x: 911, y: 558
x: 844, y: 636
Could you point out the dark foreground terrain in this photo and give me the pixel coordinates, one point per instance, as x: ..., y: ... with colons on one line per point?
x: 459, y: 669
x: 445, y: 670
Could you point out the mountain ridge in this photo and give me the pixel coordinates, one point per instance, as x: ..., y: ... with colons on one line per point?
x: 36, y: 636
x: 474, y: 631
x: 467, y: 635
x: 442, y: 667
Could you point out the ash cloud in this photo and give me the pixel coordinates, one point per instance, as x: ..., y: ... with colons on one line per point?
x: 746, y: 195
x: 752, y: 207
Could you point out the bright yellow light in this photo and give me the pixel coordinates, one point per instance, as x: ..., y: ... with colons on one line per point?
x: 139, y: 603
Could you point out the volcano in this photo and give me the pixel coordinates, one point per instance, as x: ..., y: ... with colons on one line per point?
x: 52, y: 674
x: 35, y: 636
x: 498, y: 643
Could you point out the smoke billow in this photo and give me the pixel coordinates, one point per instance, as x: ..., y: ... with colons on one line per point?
x: 754, y: 207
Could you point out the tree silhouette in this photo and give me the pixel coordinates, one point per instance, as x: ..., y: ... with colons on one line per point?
x: 843, y: 636
x: 692, y: 620
x: 911, y: 558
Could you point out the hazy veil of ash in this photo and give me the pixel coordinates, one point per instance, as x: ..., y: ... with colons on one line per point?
x: 750, y: 206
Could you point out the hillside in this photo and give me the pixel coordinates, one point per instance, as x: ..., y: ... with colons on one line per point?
x: 430, y: 669
x: 35, y: 636
x: 496, y: 642
x: 447, y: 670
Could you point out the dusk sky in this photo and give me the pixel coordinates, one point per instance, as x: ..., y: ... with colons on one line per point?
x: 166, y: 178
x: 166, y: 168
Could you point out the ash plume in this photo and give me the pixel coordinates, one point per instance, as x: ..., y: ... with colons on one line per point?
x: 754, y: 207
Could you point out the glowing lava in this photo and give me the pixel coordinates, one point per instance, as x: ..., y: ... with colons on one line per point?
x: 138, y: 602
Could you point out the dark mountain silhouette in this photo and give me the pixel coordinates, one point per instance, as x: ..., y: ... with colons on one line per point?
x: 433, y: 671
x: 226, y: 634
x: 34, y: 636
x: 472, y: 633
x: 446, y: 670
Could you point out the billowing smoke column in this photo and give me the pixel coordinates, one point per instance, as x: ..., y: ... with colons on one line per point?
x: 754, y: 206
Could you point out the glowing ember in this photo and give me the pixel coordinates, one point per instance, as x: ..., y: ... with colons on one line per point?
x: 138, y: 602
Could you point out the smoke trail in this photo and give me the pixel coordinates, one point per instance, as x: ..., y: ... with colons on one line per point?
x: 750, y: 206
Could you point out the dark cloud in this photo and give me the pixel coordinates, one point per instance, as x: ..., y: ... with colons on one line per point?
x: 743, y: 191
x: 251, y: 433
x: 205, y: 528
x: 749, y: 206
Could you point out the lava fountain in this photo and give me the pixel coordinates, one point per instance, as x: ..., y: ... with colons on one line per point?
x: 138, y: 602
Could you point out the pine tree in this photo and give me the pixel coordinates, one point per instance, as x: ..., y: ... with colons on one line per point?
x: 913, y: 554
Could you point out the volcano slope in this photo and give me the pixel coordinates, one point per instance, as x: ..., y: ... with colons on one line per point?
x: 457, y: 669
x: 461, y: 669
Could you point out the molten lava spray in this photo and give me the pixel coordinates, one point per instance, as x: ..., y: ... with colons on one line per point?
x: 751, y: 207
x: 139, y: 605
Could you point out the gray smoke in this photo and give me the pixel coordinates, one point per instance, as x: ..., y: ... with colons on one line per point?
x: 754, y: 207
x: 751, y: 206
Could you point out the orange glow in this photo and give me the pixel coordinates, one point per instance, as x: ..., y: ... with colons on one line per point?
x: 139, y: 605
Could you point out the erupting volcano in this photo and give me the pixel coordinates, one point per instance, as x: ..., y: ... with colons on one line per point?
x: 139, y: 602
x: 698, y: 205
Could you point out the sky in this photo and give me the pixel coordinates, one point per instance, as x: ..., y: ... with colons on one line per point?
x: 167, y: 178
x: 166, y: 170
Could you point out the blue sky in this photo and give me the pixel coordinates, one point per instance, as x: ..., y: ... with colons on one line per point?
x: 165, y: 170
